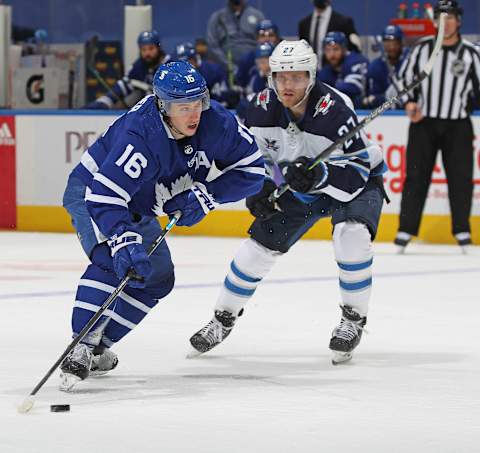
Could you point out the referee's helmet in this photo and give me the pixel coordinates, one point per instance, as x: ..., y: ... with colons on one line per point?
x: 449, y: 7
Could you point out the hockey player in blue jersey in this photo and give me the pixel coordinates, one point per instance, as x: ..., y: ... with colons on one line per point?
x: 382, y: 70
x: 158, y: 158
x: 138, y: 82
x: 214, y: 74
x: 258, y: 77
x: 259, y: 74
x: 344, y: 70
x: 293, y: 122
x: 267, y: 32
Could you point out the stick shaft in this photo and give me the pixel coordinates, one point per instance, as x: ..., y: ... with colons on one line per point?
x: 378, y: 111
x: 102, y: 309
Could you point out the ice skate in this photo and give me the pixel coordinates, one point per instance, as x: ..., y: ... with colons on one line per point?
x: 346, y: 336
x: 401, y: 241
x: 464, y: 240
x: 75, y: 367
x: 212, y: 334
x: 103, y: 361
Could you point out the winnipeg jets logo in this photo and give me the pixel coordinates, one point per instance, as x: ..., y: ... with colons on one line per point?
x: 271, y: 144
x: 263, y: 98
x: 324, y: 104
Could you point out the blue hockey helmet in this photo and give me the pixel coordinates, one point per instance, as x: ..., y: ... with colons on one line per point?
x: 265, y: 25
x: 179, y: 82
x: 148, y: 37
x: 335, y: 37
x: 185, y: 51
x: 41, y: 36
x: 392, y: 32
x: 263, y: 50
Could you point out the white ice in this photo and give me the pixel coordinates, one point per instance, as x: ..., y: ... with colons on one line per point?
x: 413, y: 384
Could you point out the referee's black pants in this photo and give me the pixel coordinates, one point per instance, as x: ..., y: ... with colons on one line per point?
x: 455, y: 139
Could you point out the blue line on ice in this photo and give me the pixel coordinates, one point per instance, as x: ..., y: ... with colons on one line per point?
x: 272, y: 281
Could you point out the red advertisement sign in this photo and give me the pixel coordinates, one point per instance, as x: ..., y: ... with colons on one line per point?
x: 8, y: 199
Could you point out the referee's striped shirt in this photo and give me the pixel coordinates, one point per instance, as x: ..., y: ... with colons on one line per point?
x: 454, y: 78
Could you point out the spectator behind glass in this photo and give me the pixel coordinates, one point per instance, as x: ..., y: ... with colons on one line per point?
x: 344, y: 70
x: 231, y: 32
x: 267, y: 32
x: 324, y: 19
x: 382, y: 70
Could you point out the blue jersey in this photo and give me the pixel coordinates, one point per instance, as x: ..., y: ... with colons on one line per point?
x: 139, y: 72
x: 351, y: 79
x: 216, y: 78
x: 137, y: 165
x: 257, y: 82
x: 380, y: 76
x: 245, y: 66
x: 329, y: 114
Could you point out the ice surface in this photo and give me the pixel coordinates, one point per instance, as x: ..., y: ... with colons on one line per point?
x: 412, y: 386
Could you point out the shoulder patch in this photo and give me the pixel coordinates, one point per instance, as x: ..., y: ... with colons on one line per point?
x: 263, y: 98
x: 324, y: 104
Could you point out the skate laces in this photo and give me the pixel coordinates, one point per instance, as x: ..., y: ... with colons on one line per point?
x: 348, y: 330
x: 81, y: 354
x: 213, y: 331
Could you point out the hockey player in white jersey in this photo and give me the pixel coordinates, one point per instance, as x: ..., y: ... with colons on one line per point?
x: 154, y: 160
x: 293, y: 121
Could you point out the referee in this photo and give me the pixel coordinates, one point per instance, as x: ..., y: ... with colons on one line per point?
x: 438, y: 111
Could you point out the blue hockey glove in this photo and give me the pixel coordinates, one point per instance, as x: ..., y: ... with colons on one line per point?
x: 128, y: 254
x: 301, y: 179
x: 194, y: 204
x: 259, y: 205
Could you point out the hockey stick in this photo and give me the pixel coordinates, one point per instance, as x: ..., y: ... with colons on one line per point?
x: 92, y: 48
x: 377, y: 112
x: 29, y: 401
x: 229, y: 55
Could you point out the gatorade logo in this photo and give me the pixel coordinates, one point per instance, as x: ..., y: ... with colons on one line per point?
x: 6, y: 136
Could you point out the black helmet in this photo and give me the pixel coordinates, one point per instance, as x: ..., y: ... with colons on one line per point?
x: 449, y: 7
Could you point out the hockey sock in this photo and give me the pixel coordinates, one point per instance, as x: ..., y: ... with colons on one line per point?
x: 250, y: 265
x: 128, y: 310
x: 354, y: 255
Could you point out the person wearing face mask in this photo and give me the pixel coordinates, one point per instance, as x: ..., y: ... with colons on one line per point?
x: 324, y: 19
x: 232, y: 32
x: 440, y: 119
x: 138, y: 81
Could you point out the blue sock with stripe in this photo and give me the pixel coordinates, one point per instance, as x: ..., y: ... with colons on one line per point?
x: 125, y: 313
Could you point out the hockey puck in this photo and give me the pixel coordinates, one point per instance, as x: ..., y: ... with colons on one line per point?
x: 60, y: 408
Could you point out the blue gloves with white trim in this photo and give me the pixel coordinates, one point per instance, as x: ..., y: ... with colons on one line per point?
x: 301, y: 179
x: 194, y: 204
x: 128, y: 255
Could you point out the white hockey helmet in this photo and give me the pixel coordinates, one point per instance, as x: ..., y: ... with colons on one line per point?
x: 293, y: 56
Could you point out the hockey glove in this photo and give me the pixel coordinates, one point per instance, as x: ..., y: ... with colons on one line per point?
x: 194, y: 204
x: 129, y: 254
x: 258, y: 204
x: 301, y: 179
